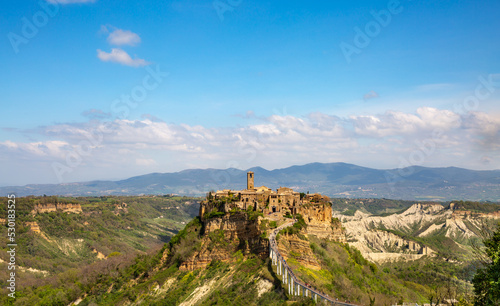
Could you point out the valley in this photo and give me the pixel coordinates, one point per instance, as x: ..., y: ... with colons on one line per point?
x: 171, y: 250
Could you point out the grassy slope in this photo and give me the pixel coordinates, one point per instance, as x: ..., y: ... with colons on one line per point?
x: 71, y: 237
x: 154, y: 281
x: 346, y: 275
x: 122, y: 279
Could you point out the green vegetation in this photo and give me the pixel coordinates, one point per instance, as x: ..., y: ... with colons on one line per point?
x: 385, y: 207
x: 372, y: 206
x: 438, y: 275
x: 118, y: 227
x: 143, y: 265
x: 296, y: 228
x: 214, y: 214
x: 229, y: 284
x: 346, y: 275
x: 480, y: 207
x: 253, y: 215
x: 487, y: 279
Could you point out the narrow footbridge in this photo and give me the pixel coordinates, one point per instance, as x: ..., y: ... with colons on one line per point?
x: 295, y: 286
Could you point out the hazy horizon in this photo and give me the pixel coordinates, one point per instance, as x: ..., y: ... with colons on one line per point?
x: 224, y: 169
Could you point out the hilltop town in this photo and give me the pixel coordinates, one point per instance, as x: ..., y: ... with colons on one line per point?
x: 283, y: 201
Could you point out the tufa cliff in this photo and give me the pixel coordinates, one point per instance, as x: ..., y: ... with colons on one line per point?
x: 238, y: 221
x: 221, y: 237
x: 292, y: 246
x: 318, y: 217
x: 69, y: 208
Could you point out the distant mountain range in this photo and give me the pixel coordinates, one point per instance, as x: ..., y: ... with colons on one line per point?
x: 333, y: 179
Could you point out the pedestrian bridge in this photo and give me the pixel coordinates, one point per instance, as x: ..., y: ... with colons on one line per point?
x: 295, y: 287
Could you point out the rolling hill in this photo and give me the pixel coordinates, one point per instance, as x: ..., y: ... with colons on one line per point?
x: 334, y: 179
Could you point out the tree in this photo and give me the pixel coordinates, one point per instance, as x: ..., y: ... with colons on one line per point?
x: 487, y: 279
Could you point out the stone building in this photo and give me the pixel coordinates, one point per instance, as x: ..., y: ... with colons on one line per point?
x: 266, y: 200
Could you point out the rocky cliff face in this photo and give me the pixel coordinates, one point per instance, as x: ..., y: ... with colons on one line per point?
x: 291, y: 246
x: 420, y: 220
x: 373, y: 243
x: 320, y: 223
x: 235, y: 231
x: 69, y: 208
x: 34, y: 227
x: 222, y: 237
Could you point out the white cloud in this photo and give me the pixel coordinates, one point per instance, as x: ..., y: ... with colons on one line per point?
x: 378, y: 140
x: 117, y: 55
x: 121, y: 37
x: 39, y: 149
x: 394, y: 123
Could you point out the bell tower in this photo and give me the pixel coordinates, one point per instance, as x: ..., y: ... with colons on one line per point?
x: 250, y: 185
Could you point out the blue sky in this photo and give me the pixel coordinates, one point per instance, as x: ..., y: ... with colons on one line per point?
x: 245, y: 84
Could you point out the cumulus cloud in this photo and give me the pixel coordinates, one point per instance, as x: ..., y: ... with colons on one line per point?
x: 378, y: 140
x: 404, y: 124
x: 121, y: 37
x: 119, y: 56
x: 40, y: 149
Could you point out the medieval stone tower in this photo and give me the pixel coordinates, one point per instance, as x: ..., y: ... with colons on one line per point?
x: 250, y: 185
